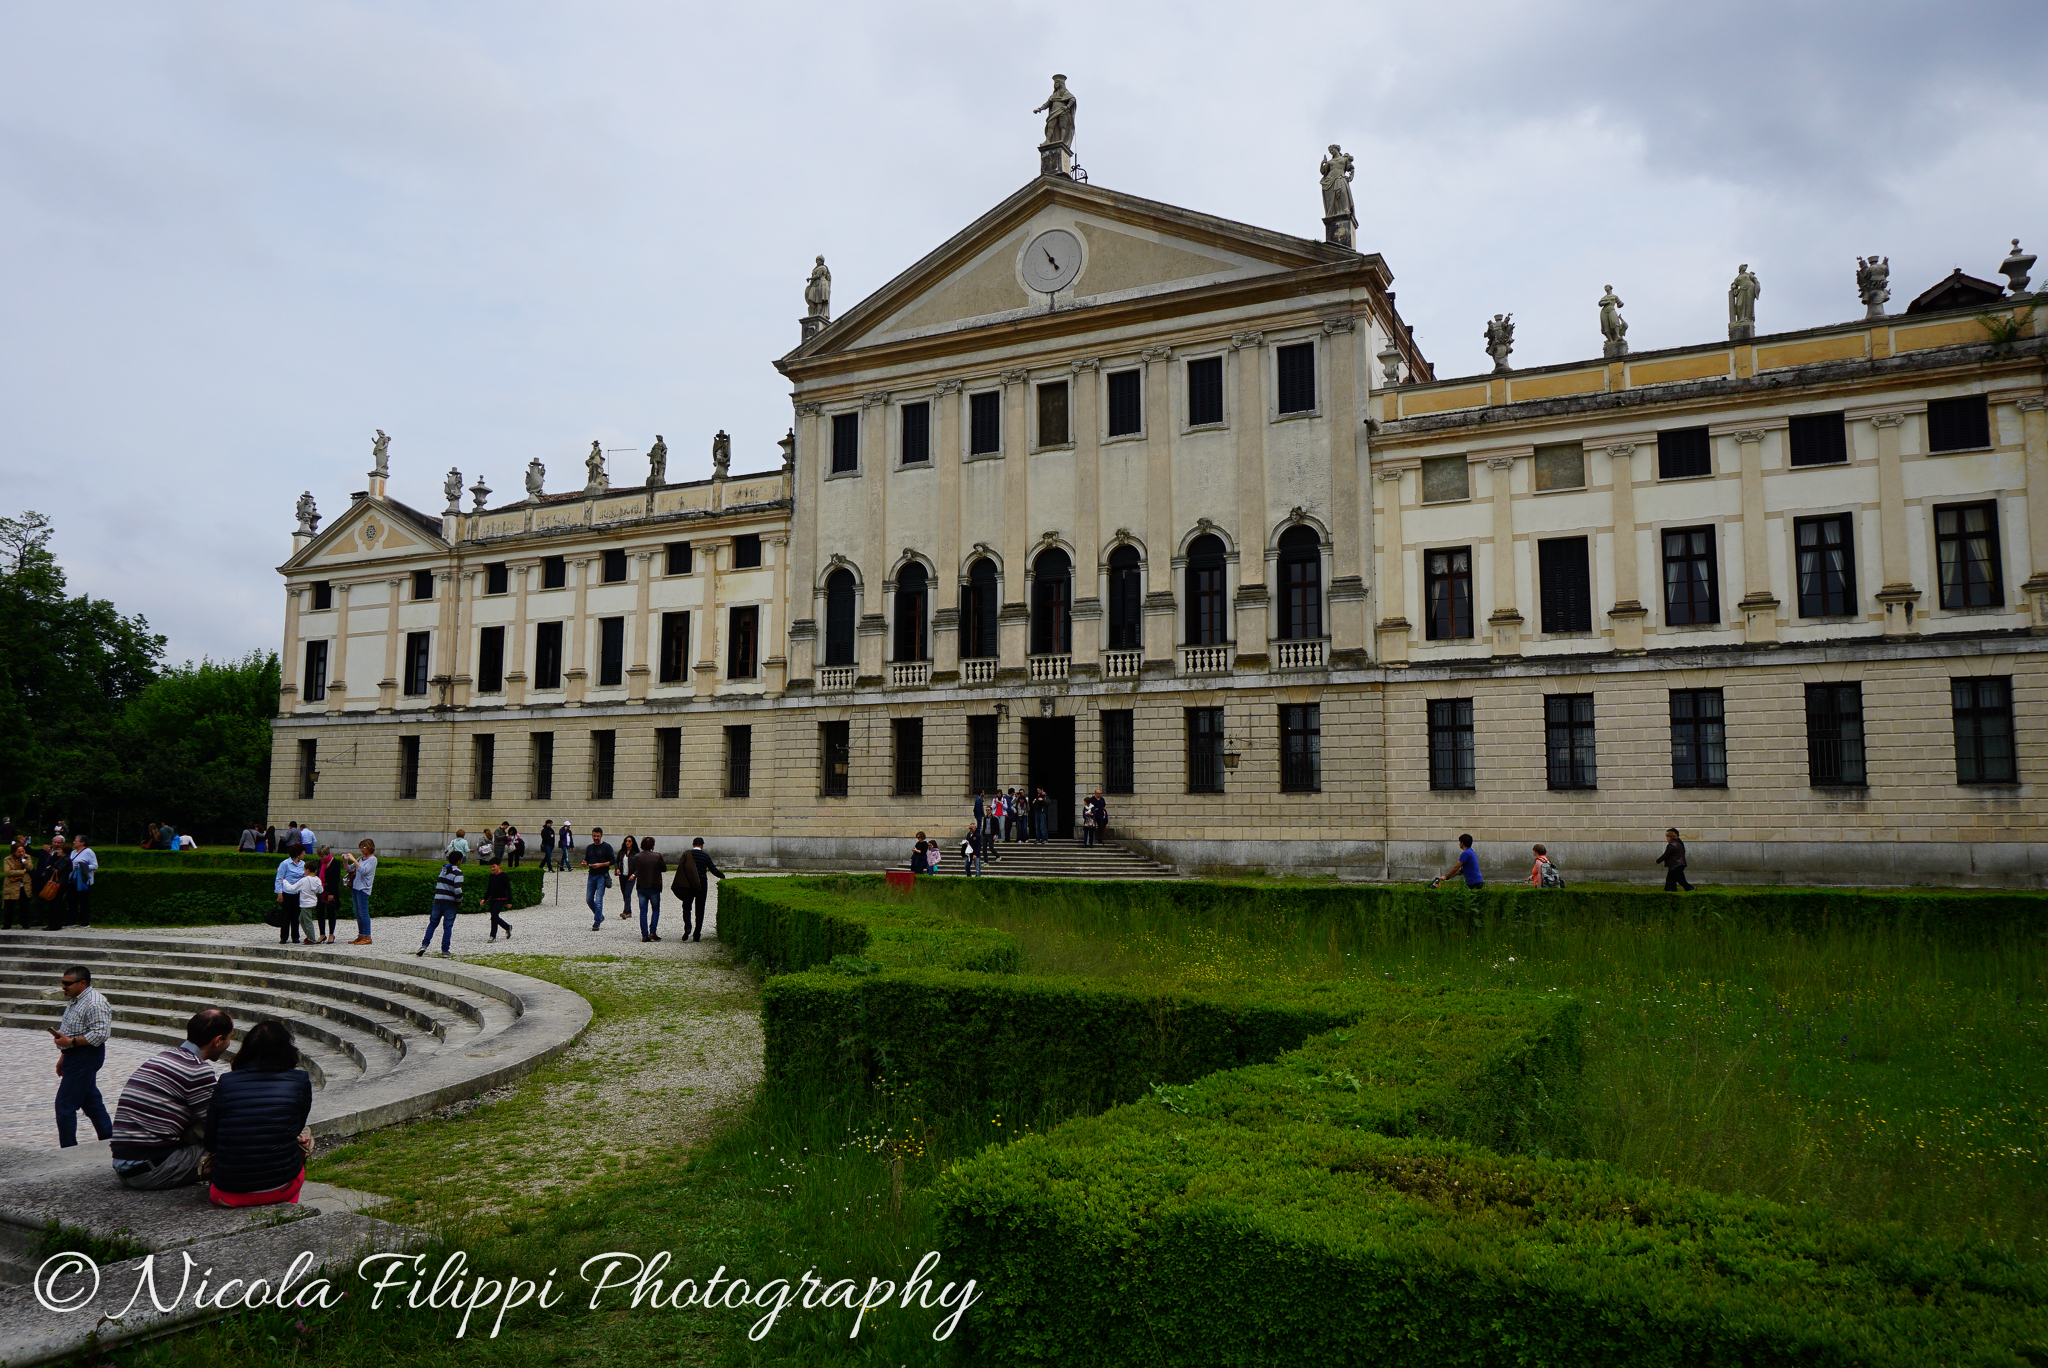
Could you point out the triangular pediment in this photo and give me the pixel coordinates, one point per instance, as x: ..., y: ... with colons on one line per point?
x: 1132, y: 248
x: 370, y: 530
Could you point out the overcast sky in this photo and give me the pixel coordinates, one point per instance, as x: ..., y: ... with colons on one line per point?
x: 240, y: 237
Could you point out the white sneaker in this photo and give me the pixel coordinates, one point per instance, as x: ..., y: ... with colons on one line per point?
x: 447, y: 954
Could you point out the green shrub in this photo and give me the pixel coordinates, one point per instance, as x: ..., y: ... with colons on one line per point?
x: 182, y: 896
x: 793, y: 924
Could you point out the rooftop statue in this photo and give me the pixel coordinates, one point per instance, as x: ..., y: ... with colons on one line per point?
x: 657, y: 462
x: 1059, y: 110
x: 309, y: 516
x: 818, y: 291
x: 1613, y: 326
x: 1873, y: 284
x: 451, y: 489
x: 536, y: 476
x: 1500, y: 340
x: 1742, y: 296
x: 721, y: 454
x: 1340, y: 214
x: 380, y: 454
x: 595, y: 480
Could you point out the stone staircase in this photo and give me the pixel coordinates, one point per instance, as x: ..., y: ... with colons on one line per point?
x: 1060, y: 859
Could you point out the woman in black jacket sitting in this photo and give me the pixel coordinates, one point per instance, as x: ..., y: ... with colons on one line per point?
x: 256, y: 1125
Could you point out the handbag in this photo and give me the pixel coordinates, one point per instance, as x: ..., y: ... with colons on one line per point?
x: 49, y: 893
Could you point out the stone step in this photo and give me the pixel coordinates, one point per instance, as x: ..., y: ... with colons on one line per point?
x: 342, y: 1051
x: 1060, y: 859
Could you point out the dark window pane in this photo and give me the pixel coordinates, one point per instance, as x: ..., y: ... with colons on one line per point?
x: 1699, y: 749
x: 1827, y: 565
x: 1208, y: 616
x: 680, y: 560
x: 984, y: 423
x: 1447, y: 594
x: 1983, y: 724
x: 1126, y: 601
x: 1966, y: 554
x: 668, y: 762
x: 917, y: 433
x: 1818, y: 439
x: 611, y: 651
x: 614, y: 567
x: 739, y: 762
x: 981, y: 754
x: 1205, y: 391
x: 604, y: 762
x: 1052, y: 414
x: 1301, y: 585
x: 315, y: 682
x: 543, y: 765
x: 483, y: 765
x: 841, y: 611
x: 1683, y: 453
x: 1052, y: 603
x: 835, y: 746
x: 490, y: 660
x: 547, y: 656
x: 978, y: 612
x: 1297, y: 373
x: 1834, y: 734
x: 1126, y: 409
x: 1301, y: 748
x: 422, y: 584
x: 1119, y: 751
x: 1692, y: 589
x: 1450, y: 743
x: 912, y: 603
x: 309, y: 767
x: 742, y: 656
x: 1565, y: 584
x: 1961, y: 424
x: 845, y: 442
x: 554, y: 572
x: 323, y: 595
x: 1205, y: 750
x: 675, y: 647
x: 417, y: 659
x: 408, y: 767
x: 497, y: 578
x: 746, y: 551
x: 1568, y: 741
x: 908, y: 734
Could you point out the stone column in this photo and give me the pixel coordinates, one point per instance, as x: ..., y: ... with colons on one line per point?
x: 515, y: 637
x: 945, y: 434
x: 576, y: 674
x: 1505, y: 622
x: 1898, y: 594
x: 636, y: 673
x: 877, y: 546
x: 2034, y: 425
x: 1013, y: 637
x: 1251, y: 605
x: 387, y: 687
x: 1393, y: 626
x: 1759, y: 606
x: 1348, y: 457
x: 1083, y: 393
x: 294, y: 650
x: 775, y: 669
x: 1162, y: 619
x: 711, y: 550
x: 337, y: 669
x: 1628, y: 613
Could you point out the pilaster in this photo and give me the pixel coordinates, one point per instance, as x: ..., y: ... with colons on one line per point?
x: 337, y: 683
x: 387, y: 687
x: 1898, y: 594
x: 1505, y: 622
x: 1391, y: 632
x: 714, y: 551
x: 1161, y: 532
x: 515, y: 653
x: 578, y: 673
x: 945, y: 430
x: 1016, y: 543
x: 636, y: 673
x: 1628, y: 613
x: 1248, y: 356
x: 463, y: 592
x: 775, y: 667
x: 1348, y: 458
x: 288, y: 664
x: 1083, y: 391
x: 2034, y: 429
x: 1759, y: 606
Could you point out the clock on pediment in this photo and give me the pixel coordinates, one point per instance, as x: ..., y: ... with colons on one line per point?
x: 1052, y: 260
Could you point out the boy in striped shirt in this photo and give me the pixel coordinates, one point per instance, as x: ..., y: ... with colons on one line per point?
x: 447, y: 902
x: 162, y: 1112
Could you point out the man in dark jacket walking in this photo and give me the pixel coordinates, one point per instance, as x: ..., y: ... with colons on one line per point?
x: 692, y: 887
x: 1673, y: 860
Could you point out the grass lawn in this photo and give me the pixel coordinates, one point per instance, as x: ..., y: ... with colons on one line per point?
x: 1881, y: 1071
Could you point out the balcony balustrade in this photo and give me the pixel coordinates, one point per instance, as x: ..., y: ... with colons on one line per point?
x: 1200, y: 660
x: 1300, y: 655
x: 1121, y: 664
x: 1046, y: 668
x: 834, y: 677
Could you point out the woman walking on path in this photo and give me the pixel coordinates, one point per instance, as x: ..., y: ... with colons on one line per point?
x: 362, y: 877
x: 1673, y: 860
x: 498, y: 900
x: 566, y: 845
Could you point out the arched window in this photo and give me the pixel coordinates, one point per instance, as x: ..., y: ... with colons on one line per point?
x: 841, y: 604
x: 1126, y: 604
x: 1301, y: 584
x: 978, y: 612
x: 1208, y: 625
x: 912, y: 594
x: 1052, y: 603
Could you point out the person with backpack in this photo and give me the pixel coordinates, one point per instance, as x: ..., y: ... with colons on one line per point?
x: 1673, y: 860
x: 1545, y: 874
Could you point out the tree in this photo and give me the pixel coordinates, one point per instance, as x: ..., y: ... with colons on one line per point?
x: 194, y: 747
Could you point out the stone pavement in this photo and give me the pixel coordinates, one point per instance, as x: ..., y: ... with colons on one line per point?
x: 28, y: 1083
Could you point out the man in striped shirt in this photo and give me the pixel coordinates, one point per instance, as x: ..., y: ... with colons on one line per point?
x: 81, y: 1039
x: 162, y: 1115
x: 447, y: 902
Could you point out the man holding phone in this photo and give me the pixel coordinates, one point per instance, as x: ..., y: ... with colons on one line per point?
x: 81, y: 1039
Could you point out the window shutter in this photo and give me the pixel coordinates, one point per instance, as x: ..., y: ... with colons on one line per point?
x: 1565, y: 584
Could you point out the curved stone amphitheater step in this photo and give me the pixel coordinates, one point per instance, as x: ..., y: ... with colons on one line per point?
x: 1066, y: 859
x: 383, y: 1039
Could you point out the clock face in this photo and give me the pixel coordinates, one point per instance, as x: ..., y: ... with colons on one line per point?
x: 1052, y: 261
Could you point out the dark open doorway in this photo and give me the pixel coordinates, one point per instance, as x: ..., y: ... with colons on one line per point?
x: 1049, y: 758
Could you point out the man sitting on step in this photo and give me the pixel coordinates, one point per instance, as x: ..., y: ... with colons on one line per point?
x: 162, y: 1113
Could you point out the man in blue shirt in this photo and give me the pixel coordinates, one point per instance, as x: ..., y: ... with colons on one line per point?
x: 597, y: 859
x: 1467, y: 864
x: 289, y: 871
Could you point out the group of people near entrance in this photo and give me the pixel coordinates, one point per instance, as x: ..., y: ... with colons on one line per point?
x: 243, y: 1134
x: 1545, y: 873
x: 53, y: 881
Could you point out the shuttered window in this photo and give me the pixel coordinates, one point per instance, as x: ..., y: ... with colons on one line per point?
x: 680, y: 561
x: 1208, y: 624
x: 604, y: 762
x: 554, y: 572
x: 917, y: 433
x: 845, y: 442
x: 1126, y: 409
x: 668, y: 762
x: 497, y: 578
x: 1126, y: 603
x: 490, y: 660
x: 611, y: 651
x: 984, y: 423
x: 615, y: 566
x: 1296, y: 366
x: 416, y: 656
x: 743, y: 655
x: 1960, y: 424
x: 1205, y: 391
x: 739, y: 762
x: 483, y: 765
x: 1827, y: 565
x: 977, y: 612
x: 1684, y: 454
x: 1818, y: 439
x: 1566, y: 584
x: 315, y: 684
x: 840, y: 607
x: 542, y: 777
x: 547, y: 657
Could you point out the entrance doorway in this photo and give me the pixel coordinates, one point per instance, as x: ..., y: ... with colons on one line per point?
x: 1049, y: 765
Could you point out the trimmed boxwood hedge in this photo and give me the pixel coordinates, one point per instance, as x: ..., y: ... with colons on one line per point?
x: 200, y: 897
x: 1343, y: 1172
